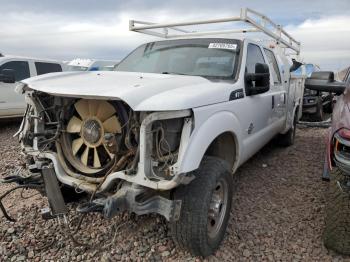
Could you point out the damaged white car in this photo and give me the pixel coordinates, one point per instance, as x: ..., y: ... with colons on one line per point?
x: 164, y: 132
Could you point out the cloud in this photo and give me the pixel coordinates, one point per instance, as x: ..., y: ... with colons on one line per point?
x: 91, y: 29
x: 325, y: 41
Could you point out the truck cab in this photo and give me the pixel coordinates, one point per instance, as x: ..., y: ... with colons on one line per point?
x: 14, y: 69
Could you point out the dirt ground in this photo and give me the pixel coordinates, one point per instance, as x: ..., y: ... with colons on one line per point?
x: 277, y: 215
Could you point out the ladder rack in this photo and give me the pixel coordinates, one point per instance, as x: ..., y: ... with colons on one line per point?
x: 257, y: 22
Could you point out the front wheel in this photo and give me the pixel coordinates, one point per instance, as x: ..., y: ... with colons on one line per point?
x: 206, y: 205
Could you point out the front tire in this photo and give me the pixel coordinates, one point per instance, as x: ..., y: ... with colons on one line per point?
x: 206, y: 205
x: 336, y: 235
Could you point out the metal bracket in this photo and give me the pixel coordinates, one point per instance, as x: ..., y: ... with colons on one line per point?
x: 126, y: 199
x: 53, y: 192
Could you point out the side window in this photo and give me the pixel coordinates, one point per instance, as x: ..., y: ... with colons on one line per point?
x: 44, y: 68
x: 254, y: 55
x: 273, y: 63
x: 21, y: 69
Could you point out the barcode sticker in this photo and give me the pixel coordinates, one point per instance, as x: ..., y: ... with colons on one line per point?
x: 223, y: 46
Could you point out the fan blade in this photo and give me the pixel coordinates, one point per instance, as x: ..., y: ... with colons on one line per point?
x: 93, y: 106
x: 112, y: 125
x: 97, y: 162
x: 76, y: 145
x: 105, y: 110
x: 74, y: 125
x: 109, y: 153
x: 84, y: 156
x: 82, y: 107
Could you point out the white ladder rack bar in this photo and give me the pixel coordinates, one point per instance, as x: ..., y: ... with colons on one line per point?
x: 259, y: 23
x: 279, y: 35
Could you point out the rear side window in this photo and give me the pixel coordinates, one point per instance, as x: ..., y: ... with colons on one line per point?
x: 44, y: 68
x: 20, y: 68
x: 273, y: 63
x: 254, y: 55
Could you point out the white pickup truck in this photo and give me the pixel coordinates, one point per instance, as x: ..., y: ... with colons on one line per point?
x: 165, y: 132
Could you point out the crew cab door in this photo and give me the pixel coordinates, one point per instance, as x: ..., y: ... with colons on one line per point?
x: 11, y: 103
x: 258, y: 111
x: 278, y: 90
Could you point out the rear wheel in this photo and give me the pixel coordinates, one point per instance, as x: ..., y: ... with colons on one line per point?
x: 336, y: 234
x: 206, y: 205
x: 288, y: 138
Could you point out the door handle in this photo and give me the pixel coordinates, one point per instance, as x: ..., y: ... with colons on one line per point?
x: 273, y: 102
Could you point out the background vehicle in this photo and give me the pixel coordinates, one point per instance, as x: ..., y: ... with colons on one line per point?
x: 337, y: 162
x: 315, y: 103
x: 14, y: 69
x: 91, y: 65
x: 166, y: 131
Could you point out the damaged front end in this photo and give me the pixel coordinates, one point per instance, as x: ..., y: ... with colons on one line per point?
x: 125, y: 160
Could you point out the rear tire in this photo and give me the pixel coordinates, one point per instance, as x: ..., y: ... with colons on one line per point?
x: 336, y: 235
x: 288, y: 138
x: 206, y: 205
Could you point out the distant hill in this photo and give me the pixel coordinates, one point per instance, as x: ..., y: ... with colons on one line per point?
x: 341, y: 74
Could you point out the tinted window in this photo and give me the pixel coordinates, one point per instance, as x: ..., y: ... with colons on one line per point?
x: 21, y: 69
x: 44, y: 68
x: 273, y: 62
x: 254, y: 55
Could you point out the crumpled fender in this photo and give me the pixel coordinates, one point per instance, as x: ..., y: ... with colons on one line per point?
x: 205, y: 133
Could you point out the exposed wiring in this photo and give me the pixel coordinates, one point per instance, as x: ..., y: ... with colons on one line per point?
x: 30, y: 196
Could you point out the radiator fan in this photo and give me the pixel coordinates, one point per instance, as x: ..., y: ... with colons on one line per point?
x: 84, y: 140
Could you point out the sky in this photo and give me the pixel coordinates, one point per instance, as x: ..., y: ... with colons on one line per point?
x: 68, y: 29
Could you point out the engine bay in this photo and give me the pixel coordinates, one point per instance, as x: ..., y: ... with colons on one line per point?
x: 96, y: 137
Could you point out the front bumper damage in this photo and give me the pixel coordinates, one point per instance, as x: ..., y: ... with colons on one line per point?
x: 140, y: 192
x: 130, y: 197
x: 135, y: 199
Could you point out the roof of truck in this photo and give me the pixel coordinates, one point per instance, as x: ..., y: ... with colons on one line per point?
x: 266, y: 43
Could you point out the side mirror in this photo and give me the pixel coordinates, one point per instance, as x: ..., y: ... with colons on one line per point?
x: 258, y: 82
x: 8, y: 76
x: 323, y: 81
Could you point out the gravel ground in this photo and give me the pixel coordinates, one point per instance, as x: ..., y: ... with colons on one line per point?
x: 277, y: 215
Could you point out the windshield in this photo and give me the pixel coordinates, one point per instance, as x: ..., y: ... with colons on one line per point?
x: 196, y: 57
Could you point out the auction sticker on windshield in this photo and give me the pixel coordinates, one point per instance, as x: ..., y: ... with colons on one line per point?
x: 223, y: 46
